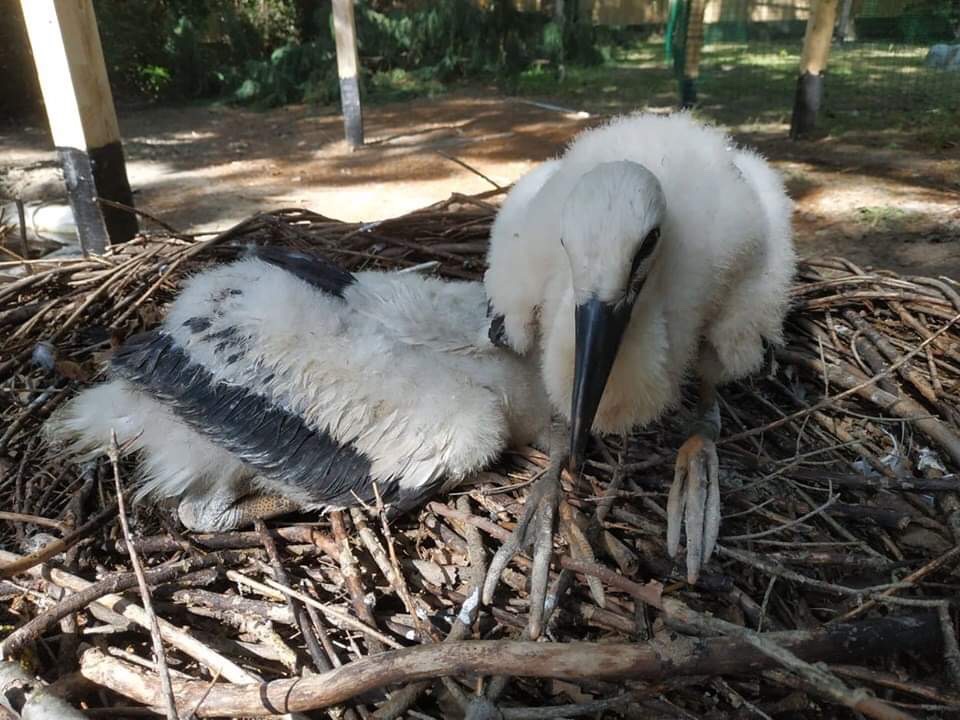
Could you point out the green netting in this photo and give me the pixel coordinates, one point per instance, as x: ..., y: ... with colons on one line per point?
x: 863, y: 77
x: 754, y: 65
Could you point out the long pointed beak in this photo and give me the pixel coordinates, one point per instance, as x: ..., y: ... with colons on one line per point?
x: 600, y: 327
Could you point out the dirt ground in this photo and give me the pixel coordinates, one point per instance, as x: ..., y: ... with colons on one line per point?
x: 205, y: 167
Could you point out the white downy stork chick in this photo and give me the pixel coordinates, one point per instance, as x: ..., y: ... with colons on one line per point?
x: 280, y: 381
x: 652, y: 250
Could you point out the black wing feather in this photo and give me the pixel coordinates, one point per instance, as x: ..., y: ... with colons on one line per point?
x: 317, y: 271
x: 269, y: 438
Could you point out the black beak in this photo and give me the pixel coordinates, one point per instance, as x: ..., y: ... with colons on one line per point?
x: 600, y: 328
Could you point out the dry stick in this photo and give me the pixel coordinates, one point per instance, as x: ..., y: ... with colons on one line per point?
x: 295, y: 534
x: 827, y: 402
x: 894, y: 682
x: 180, y: 639
x: 569, y: 661
x: 34, y: 520
x: 823, y: 681
x: 403, y: 699
x: 159, y: 656
x: 776, y: 570
x: 272, y: 586
x: 898, y: 406
x: 182, y: 256
x: 425, y: 630
x: 814, y: 676
x: 951, y: 649
x: 892, y: 355
x: 142, y: 213
x: 51, y: 549
x: 320, y: 662
x: 351, y: 578
x: 27, y: 696
x: 205, y: 602
x: 467, y: 166
x: 390, y: 567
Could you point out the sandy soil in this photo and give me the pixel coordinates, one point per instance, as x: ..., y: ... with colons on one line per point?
x: 206, y: 167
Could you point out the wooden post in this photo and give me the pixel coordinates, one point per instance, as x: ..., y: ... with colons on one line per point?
x: 348, y: 65
x: 79, y: 105
x: 845, y: 31
x: 692, y: 48
x: 560, y: 20
x: 813, y: 62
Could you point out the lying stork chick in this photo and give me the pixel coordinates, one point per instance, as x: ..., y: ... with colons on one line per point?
x: 653, y: 251
x: 280, y: 382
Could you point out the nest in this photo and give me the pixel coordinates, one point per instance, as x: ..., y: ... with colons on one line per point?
x: 833, y: 590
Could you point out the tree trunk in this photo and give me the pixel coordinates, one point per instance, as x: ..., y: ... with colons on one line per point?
x: 813, y: 62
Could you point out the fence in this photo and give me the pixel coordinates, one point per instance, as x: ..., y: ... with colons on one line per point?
x: 873, y: 76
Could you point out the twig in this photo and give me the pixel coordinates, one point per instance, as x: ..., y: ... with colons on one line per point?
x: 907, y: 582
x: 813, y: 675
x: 827, y: 402
x: 180, y: 639
x: 159, y: 656
x: 338, y: 615
x: 351, y: 577
x: 51, y: 549
x: 951, y: 650
x: 466, y: 166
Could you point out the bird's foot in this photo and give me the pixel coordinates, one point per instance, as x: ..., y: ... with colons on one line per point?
x: 534, y: 529
x: 694, y: 502
x: 216, y: 513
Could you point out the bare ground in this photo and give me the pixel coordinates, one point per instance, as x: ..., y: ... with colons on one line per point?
x: 205, y: 167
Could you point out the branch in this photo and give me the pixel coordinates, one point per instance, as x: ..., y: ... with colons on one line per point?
x: 569, y: 661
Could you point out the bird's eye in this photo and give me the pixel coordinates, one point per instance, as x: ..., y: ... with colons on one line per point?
x: 648, y: 245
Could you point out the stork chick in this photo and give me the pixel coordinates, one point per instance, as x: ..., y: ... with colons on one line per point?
x: 280, y: 382
x: 652, y: 250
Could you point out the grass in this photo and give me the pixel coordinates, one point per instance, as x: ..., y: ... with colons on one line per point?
x: 877, y: 88
x: 886, y: 218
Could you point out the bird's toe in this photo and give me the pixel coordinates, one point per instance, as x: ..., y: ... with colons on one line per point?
x: 694, y: 504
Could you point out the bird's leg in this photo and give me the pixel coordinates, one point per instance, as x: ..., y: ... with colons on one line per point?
x: 534, y: 529
x: 222, y: 510
x: 695, y: 495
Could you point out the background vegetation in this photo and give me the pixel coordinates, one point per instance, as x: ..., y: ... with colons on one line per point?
x: 273, y: 52
x: 282, y: 51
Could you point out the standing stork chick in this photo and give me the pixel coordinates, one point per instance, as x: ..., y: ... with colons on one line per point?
x: 280, y: 382
x: 652, y: 250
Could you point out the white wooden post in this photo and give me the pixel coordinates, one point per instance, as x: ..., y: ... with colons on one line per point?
x: 813, y: 63
x: 79, y: 105
x: 348, y: 66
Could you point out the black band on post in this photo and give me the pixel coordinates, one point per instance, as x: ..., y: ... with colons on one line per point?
x: 806, y: 104
x: 688, y: 92
x: 93, y: 173
x: 352, y: 113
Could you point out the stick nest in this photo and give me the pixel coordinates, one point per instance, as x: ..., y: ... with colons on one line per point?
x: 840, y: 501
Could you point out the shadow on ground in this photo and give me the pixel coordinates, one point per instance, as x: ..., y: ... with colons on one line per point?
x: 205, y: 167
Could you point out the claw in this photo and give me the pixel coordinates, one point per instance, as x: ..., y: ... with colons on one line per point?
x: 535, y: 527
x: 540, y: 572
x: 694, y: 501
x: 711, y: 520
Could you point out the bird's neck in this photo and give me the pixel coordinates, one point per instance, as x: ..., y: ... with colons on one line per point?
x: 641, y: 385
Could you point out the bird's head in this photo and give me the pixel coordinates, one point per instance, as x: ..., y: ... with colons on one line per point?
x: 611, y: 228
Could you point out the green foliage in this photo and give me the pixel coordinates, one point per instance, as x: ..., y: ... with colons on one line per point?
x: 292, y: 73
x: 161, y: 49
x: 277, y: 52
